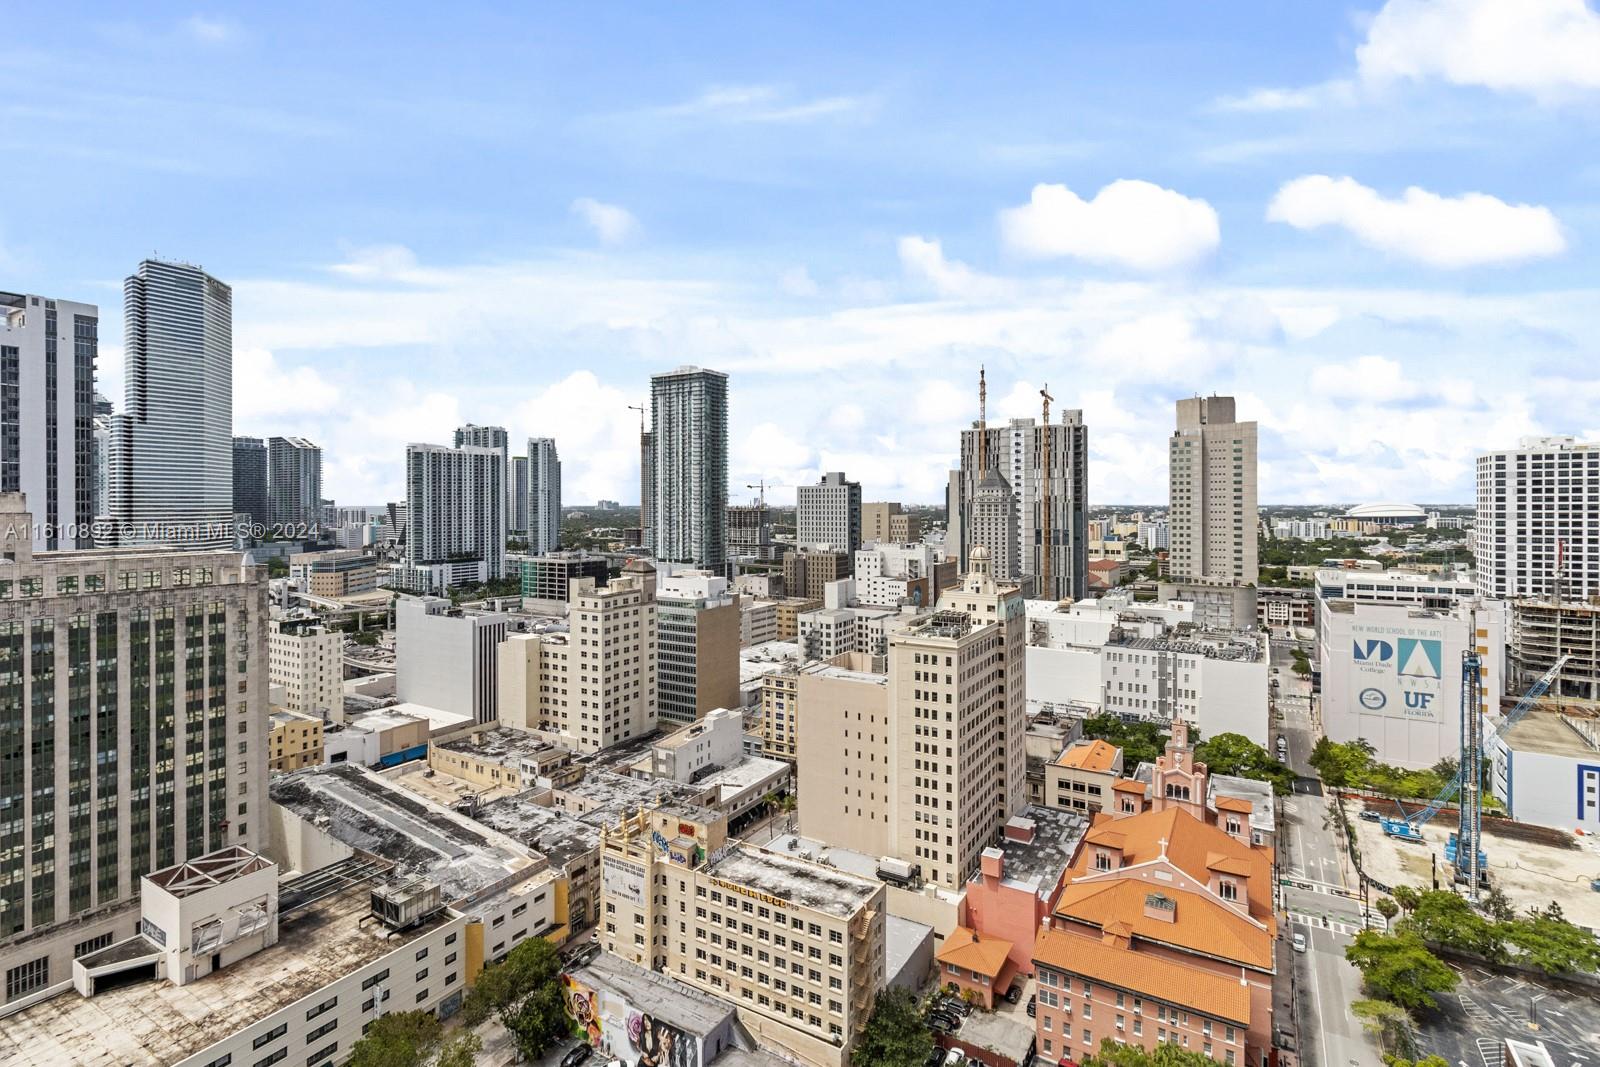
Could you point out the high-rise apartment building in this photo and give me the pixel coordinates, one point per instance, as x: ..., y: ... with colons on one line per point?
x: 697, y: 628
x: 544, y: 496
x: 926, y: 762
x: 250, y: 498
x: 47, y: 444
x: 172, y: 444
x: 689, y: 438
x: 1212, y: 515
x: 133, y: 718
x: 519, y: 493
x: 647, y: 490
x: 1538, y: 520
x: 1045, y: 468
x: 495, y: 437
x: 294, y: 481
x: 308, y: 661
x: 594, y: 684
x: 455, y: 513
x: 828, y: 514
x: 888, y: 522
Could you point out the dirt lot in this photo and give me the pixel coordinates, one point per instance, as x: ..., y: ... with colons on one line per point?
x: 1530, y: 874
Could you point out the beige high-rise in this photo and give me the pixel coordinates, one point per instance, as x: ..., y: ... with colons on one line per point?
x: 1212, y: 465
x: 595, y: 684
x: 926, y: 763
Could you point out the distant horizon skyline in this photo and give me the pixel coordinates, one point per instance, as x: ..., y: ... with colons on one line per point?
x: 515, y: 218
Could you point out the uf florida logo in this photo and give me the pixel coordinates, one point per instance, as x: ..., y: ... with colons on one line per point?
x: 1373, y: 651
x: 1420, y: 658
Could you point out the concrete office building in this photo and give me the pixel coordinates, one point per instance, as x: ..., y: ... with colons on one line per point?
x: 456, y: 511
x: 1018, y: 452
x: 307, y: 659
x: 294, y: 741
x: 797, y: 946
x: 990, y: 521
x: 544, y: 496
x: 926, y: 763
x: 1212, y: 513
x: 594, y: 685
x: 808, y: 573
x: 519, y: 494
x: 341, y: 573
x: 172, y: 444
x: 1392, y: 674
x: 47, y: 446
x: 1538, y: 520
x: 250, y: 498
x: 446, y: 658
x: 689, y: 439
x: 496, y: 438
x: 1438, y: 592
x: 133, y: 693
x: 294, y: 482
x: 697, y: 626
x: 828, y: 514
x: 889, y: 574
x: 887, y: 521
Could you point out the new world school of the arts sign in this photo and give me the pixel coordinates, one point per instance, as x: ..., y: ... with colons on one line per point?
x: 1397, y: 671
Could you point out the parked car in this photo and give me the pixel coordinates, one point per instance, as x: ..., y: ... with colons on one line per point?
x: 1032, y: 1006
x: 955, y: 1004
x: 1370, y: 816
x: 577, y: 1056
x: 1299, y: 942
x: 944, y: 1022
x: 1014, y: 994
x: 935, y: 1058
x: 954, y: 1058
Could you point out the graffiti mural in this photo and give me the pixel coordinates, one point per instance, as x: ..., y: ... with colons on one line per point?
x: 609, y: 1023
x: 659, y: 1044
x: 584, y: 1007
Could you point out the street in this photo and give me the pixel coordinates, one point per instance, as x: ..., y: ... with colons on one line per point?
x: 1320, y: 897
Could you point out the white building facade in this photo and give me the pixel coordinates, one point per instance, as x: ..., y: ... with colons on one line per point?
x: 828, y: 514
x: 455, y: 511
x: 544, y: 496
x: 308, y: 661
x: 446, y: 658
x: 1538, y: 520
x: 1212, y: 512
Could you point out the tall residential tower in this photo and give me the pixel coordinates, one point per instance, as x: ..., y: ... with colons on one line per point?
x: 689, y: 438
x: 47, y: 444
x: 1212, y: 519
x: 294, y: 480
x: 544, y: 496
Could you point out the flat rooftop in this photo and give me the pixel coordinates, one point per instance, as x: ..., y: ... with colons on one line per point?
x: 832, y: 670
x: 501, y: 745
x: 1210, y: 644
x: 803, y: 884
x: 552, y: 833
x: 1544, y: 731
x: 607, y: 797
x: 1263, y: 810
x: 1039, y: 863
x: 420, y: 838
x: 156, y: 1022
x: 656, y: 995
x: 743, y: 774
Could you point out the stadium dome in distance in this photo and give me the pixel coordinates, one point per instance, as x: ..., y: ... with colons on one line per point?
x: 1387, y: 514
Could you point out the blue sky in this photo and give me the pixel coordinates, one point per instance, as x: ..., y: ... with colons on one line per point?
x: 1376, y: 225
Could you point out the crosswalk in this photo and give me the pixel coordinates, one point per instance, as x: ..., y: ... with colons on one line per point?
x: 1308, y: 885
x: 1348, y: 926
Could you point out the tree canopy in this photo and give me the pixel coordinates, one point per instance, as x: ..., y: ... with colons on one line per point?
x: 1237, y: 755
x: 1547, y: 941
x: 1399, y: 968
x: 1116, y: 1054
x: 399, y: 1039
x: 1445, y: 918
x: 895, y: 1034
x: 524, y: 990
x: 1141, y: 742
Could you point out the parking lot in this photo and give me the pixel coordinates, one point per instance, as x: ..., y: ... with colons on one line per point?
x: 1488, y: 1007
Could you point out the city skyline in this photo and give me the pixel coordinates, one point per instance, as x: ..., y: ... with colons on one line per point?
x: 887, y: 218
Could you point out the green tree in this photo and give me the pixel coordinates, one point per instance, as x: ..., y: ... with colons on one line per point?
x: 1399, y: 968
x: 895, y: 1035
x: 1426, y: 1061
x: 1389, y: 1023
x: 1237, y: 755
x: 1406, y: 896
x: 1116, y: 1054
x: 460, y: 1051
x: 1341, y: 763
x: 1387, y: 908
x: 1547, y: 941
x: 538, y: 1021
x: 1446, y: 918
x: 525, y: 992
x: 400, y: 1039
x: 1141, y: 742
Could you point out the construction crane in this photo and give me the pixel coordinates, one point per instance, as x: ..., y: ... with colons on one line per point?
x: 640, y: 409
x: 1464, y: 848
x: 761, y: 485
x: 1047, y: 548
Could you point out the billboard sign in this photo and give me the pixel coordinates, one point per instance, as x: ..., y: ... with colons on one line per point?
x: 623, y: 880
x: 1397, y: 671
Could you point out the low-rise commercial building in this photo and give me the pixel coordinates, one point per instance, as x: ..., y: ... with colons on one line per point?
x: 1546, y: 769
x: 337, y: 574
x: 1286, y: 607
x: 295, y: 741
x: 376, y: 739
x: 550, y: 577
x: 1081, y: 778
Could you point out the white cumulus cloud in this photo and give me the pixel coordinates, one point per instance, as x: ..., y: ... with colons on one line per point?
x: 612, y: 223
x: 1129, y: 223
x: 1547, y: 49
x: 924, y: 259
x: 1441, y: 231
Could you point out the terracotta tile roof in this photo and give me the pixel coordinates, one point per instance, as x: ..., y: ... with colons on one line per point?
x: 1216, y: 861
x: 1129, y: 785
x: 1094, y: 755
x: 1200, y: 922
x: 1188, y: 844
x: 1147, y: 975
x: 1234, y: 804
x: 975, y: 952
